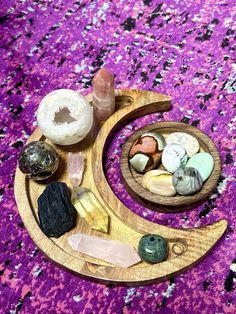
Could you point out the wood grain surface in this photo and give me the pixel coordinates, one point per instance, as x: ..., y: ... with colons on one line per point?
x: 133, y: 180
x: 186, y: 246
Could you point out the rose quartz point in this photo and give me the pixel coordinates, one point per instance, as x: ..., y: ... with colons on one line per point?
x: 111, y: 251
x: 103, y: 86
x: 76, y: 168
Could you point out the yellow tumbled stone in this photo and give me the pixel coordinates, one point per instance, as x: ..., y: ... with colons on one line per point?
x: 159, y: 182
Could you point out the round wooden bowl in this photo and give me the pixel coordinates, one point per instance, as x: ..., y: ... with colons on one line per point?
x: 133, y: 179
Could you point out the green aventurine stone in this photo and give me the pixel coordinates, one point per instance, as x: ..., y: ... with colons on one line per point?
x: 203, y: 162
x: 152, y: 248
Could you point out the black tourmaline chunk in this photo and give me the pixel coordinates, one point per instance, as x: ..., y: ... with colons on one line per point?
x: 56, y: 213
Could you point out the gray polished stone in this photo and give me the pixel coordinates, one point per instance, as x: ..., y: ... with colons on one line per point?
x: 187, y: 181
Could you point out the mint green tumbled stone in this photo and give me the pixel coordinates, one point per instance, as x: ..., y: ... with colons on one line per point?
x: 203, y: 162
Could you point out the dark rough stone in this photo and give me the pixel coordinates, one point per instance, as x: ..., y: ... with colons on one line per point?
x: 56, y: 212
x: 152, y: 248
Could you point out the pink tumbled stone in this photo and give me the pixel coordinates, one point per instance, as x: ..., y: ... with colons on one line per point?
x: 103, y: 87
x: 111, y: 251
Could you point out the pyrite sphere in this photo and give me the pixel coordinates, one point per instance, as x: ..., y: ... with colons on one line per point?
x: 152, y: 248
x: 38, y: 160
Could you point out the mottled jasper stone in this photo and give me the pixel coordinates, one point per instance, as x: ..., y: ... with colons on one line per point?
x: 187, y: 181
x: 146, y: 144
x: 159, y: 182
x: 204, y: 163
x: 38, y: 160
x: 158, y: 137
x: 153, y: 248
x: 174, y: 156
x: 56, y: 212
x: 187, y: 141
x: 145, y: 153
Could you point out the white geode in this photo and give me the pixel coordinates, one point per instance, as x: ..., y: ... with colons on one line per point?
x: 65, y: 117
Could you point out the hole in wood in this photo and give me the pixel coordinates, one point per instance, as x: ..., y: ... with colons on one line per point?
x: 123, y: 101
x: 178, y: 248
x: 63, y: 116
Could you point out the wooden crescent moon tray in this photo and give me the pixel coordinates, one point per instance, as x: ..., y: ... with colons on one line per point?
x: 186, y: 246
x: 133, y: 180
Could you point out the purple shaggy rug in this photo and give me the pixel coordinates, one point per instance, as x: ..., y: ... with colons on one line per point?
x: 181, y: 48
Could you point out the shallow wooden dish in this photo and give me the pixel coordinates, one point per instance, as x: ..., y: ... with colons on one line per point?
x: 133, y: 180
x: 186, y: 246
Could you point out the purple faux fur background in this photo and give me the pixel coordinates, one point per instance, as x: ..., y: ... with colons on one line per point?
x: 181, y: 48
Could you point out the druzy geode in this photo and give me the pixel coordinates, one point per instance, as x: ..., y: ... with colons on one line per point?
x: 153, y: 248
x: 38, y: 160
x: 56, y: 213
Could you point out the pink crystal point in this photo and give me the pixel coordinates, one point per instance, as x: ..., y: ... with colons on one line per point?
x: 111, y: 251
x: 76, y: 168
x: 103, y: 86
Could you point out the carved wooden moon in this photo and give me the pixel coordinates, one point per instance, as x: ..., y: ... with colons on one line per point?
x: 186, y: 246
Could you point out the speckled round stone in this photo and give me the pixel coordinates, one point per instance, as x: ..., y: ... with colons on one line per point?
x: 38, y: 160
x: 203, y: 162
x: 187, y: 141
x: 153, y: 248
x: 174, y: 156
x: 187, y: 181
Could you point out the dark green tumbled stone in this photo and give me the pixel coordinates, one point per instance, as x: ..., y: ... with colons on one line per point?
x: 152, y: 248
x: 38, y: 160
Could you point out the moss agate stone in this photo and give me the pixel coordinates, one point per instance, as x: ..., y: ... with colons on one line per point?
x: 153, y: 248
x: 38, y: 160
x: 187, y: 181
x: 56, y: 213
